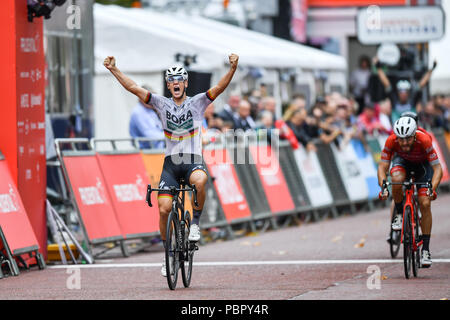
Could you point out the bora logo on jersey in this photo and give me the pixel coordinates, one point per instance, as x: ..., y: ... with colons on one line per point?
x: 185, y: 121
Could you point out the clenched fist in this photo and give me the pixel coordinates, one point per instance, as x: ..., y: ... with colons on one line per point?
x: 109, y: 62
x: 233, y: 58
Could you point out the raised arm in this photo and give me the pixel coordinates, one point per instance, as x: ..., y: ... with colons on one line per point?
x: 226, y: 79
x: 381, y: 74
x: 426, y: 77
x: 126, y: 82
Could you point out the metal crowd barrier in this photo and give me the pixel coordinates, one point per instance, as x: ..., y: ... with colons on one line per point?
x: 240, y: 192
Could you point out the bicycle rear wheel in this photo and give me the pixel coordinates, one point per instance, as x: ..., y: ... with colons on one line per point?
x: 407, y: 239
x: 172, y: 250
x: 186, y: 264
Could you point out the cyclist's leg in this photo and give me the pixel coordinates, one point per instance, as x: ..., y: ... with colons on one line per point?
x: 398, y: 174
x: 168, y: 179
x: 197, y: 176
x: 165, y: 205
x: 426, y: 222
x: 425, y: 204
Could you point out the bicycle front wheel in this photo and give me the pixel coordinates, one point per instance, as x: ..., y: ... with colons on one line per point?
x: 416, y: 253
x: 172, y: 250
x: 407, y: 239
x: 186, y: 264
x: 395, y: 240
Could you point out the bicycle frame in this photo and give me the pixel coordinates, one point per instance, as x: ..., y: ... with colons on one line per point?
x: 411, y: 202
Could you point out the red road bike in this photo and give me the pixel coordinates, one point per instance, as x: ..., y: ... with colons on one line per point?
x: 411, y: 233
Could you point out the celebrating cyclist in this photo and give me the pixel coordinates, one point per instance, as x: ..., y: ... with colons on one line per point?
x: 182, y: 118
x: 411, y: 150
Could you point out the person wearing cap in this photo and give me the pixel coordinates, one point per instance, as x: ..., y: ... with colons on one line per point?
x: 406, y: 97
x: 411, y: 150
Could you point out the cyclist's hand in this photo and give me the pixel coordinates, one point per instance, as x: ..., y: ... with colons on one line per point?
x: 432, y: 196
x: 109, y: 62
x: 234, y: 58
x: 434, y: 65
x: 383, y: 195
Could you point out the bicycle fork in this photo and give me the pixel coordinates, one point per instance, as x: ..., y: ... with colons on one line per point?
x: 408, y: 203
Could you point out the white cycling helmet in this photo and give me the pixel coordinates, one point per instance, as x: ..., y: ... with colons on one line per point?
x: 403, y: 85
x: 405, y: 127
x: 176, y: 71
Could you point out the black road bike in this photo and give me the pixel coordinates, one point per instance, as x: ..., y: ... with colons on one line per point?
x: 179, y: 250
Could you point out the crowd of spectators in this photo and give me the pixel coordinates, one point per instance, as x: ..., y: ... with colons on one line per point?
x: 334, y: 118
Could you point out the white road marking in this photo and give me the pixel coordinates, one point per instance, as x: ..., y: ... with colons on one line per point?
x: 239, y: 263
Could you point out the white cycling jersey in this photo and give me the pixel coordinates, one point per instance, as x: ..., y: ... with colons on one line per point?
x: 182, y: 124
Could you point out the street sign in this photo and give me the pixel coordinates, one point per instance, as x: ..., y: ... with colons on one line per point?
x: 377, y: 25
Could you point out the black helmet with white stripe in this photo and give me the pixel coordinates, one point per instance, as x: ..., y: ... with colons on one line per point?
x: 409, y: 114
x: 176, y: 71
x: 405, y: 127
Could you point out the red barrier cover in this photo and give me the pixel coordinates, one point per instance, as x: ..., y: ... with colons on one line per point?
x: 92, y: 198
x: 22, y: 121
x: 128, y: 188
x: 13, y: 218
x: 437, y: 147
x: 227, y: 184
x: 272, y: 179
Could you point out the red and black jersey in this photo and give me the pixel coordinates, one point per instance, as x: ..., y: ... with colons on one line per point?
x: 422, y: 149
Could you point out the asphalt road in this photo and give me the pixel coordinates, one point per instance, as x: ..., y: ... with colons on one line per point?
x: 345, y: 258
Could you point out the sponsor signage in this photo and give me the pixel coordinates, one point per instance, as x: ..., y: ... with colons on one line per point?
x: 227, y: 184
x: 377, y: 25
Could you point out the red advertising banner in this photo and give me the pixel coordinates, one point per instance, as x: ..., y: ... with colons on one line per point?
x: 299, y: 9
x: 128, y: 189
x: 13, y: 217
x: 8, y: 119
x: 22, y: 137
x: 227, y: 184
x: 92, y: 198
x: 272, y: 179
x: 437, y: 147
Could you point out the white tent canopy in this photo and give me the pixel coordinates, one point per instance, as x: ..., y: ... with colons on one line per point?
x: 439, y: 50
x: 146, y: 41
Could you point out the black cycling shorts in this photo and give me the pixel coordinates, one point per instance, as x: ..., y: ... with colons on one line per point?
x: 423, y: 171
x: 177, y: 167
